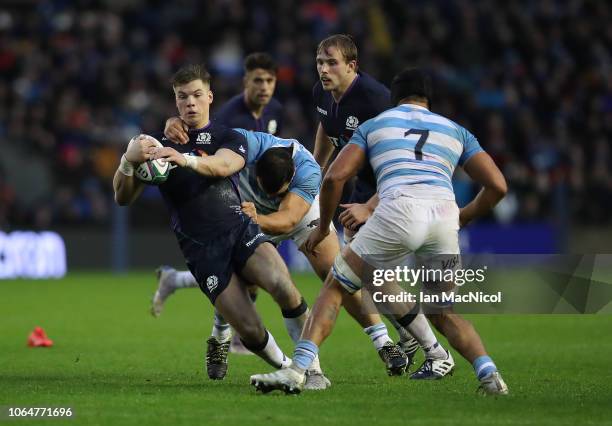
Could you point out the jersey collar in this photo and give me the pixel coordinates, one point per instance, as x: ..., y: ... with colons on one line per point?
x: 202, y: 128
x: 414, y: 106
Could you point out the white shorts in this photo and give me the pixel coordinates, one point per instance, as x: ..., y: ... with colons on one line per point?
x: 403, y: 226
x: 300, y: 233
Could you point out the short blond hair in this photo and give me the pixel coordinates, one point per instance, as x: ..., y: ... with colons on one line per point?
x: 343, y: 42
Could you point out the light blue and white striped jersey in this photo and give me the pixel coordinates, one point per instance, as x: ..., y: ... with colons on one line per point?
x: 306, y: 181
x: 414, y: 151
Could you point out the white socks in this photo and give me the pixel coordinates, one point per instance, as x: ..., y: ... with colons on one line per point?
x: 221, y: 329
x: 378, y: 334
x: 421, y: 331
x: 271, y: 353
x: 184, y: 279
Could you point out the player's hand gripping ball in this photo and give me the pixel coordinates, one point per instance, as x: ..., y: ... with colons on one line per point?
x: 153, y: 172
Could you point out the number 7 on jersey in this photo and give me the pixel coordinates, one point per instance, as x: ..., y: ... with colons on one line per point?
x: 418, y: 149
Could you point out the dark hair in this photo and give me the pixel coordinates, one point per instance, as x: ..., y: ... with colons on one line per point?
x: 411, y: 83
x: 189, y: 73
x: 343, y: 42
x: 260, y: 60
x: 275, y: 168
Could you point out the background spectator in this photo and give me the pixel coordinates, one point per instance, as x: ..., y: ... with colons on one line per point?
x: 532, y: 79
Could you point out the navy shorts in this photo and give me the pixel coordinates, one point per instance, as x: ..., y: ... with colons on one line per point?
x: 212, y: 262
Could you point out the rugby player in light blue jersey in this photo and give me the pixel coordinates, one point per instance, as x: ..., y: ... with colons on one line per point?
x: 413, y: 153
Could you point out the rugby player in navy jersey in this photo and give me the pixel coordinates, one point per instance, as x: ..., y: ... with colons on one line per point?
x: 253, y: 109
x: 345, y: 97
x: 222, y: 246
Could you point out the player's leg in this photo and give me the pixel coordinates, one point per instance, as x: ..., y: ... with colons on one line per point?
x: 442, y: 248
x: 237, y: 308
x: 322, y: 260
x: 317, y: 328
x: 168, y: 281
x: 222, y: 327
x: 338, y: 285
x: 261, y: 264
x: 210, y: 262
x: 391, y: 234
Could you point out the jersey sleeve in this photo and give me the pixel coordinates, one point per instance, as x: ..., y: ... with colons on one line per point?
x: 359, y: 137
x: 236, y: 142
x: 307, y: 182
x: 470, y: 146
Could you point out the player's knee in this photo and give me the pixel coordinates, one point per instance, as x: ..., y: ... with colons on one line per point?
x: 343, y: 273
x: 282, y: 289
x: 251, y: 332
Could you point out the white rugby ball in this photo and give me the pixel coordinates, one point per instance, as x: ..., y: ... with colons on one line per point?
x: 153, y: 172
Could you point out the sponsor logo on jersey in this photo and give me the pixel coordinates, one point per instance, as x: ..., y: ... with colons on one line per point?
x: 352, y: 122
x: 321, y: 111
x: 252, y: 240
x: 212, y: 282
x: 272, y: 127
x: 334, y: 141
x: 203, y: 138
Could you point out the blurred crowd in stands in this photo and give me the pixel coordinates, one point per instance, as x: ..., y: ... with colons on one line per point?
x: 532, y: 79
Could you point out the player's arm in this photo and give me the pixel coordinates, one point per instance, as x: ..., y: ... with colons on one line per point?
x: 483, y: 170
x: 323, y: 148
x: 223, y: 163
x: 291, y: 211
x: 127, y: 188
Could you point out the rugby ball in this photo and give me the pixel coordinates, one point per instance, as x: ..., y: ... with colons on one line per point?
x: 153, y: 172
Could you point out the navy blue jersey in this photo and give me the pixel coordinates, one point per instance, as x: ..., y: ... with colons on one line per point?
x: 201, y: 206
x: 364, y: 99
x: 235, y: 113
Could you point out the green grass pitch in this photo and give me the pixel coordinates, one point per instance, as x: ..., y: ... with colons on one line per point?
x: 115, y: 364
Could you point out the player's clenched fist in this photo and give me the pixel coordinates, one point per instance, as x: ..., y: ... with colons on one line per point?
x: 140, y: 149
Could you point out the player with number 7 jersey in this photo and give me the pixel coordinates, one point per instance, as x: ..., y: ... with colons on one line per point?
x: 414, y: 151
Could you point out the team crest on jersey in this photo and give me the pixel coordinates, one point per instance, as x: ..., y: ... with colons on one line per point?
x: 352, y: 122
x: 272, y: 126
x: 203, y: 138
x: 212, y: 282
